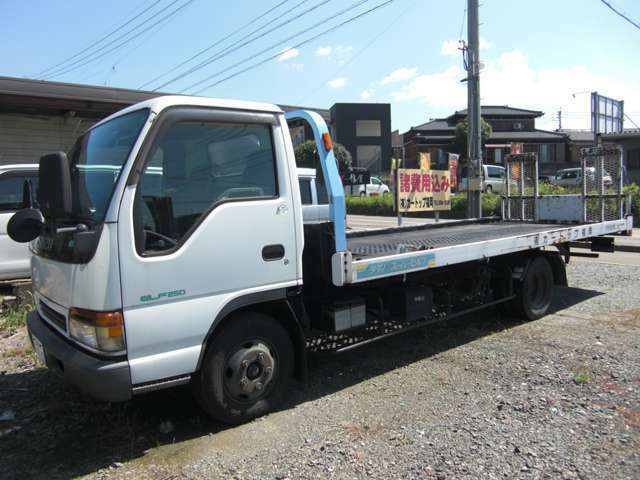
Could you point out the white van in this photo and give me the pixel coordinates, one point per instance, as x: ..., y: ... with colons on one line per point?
x: 14, y: 257
x: 493, y: 179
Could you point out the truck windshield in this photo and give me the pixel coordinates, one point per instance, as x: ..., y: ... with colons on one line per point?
x: 96, y: 161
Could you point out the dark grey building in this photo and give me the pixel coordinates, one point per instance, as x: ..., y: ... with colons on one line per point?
x: 629, y: 143
x: 365, y: 130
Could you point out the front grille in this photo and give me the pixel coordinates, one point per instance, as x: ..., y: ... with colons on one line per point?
x: 53, y: 317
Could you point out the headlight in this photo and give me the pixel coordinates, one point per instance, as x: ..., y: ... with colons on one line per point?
x: 100, y: 330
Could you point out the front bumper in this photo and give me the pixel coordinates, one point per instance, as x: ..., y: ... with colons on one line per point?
x: 105, y: 380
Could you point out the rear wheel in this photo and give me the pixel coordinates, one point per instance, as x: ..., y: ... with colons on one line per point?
x: 534, y: 294
x: 246, y: 370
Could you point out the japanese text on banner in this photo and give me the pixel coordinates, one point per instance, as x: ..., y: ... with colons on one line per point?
x: 423, y: 190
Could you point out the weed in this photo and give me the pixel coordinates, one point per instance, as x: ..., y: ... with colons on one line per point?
x: 582, y: 376
x: 14, y: 318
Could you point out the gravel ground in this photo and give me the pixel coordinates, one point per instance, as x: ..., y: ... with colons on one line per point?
x: 482, y: 397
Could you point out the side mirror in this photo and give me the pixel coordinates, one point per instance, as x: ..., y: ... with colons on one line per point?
x: 25, y: 225
x: 54, y: 191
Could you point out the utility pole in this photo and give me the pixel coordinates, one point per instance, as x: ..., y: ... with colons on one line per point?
x: 560, y: 119
x: 474, y: 148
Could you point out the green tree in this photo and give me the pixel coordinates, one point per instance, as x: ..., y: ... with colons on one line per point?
x: 462, y: 132
x: 307, y: 156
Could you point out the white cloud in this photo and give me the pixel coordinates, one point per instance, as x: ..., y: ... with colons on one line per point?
x: 287, y: 54
x: 337, y: 82
x: 400, y: 75
x: 324, y: 51
x: 451, y: 47
x: 339, y: 54
x: 366, y: 93
x: 511, y: 80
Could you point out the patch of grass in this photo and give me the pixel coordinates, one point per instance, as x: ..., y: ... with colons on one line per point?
x: 12, y: 319
x: 18, y: 352
x: 582, y: 376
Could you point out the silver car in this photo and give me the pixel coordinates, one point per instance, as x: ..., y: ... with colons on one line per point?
x: 569, y: 177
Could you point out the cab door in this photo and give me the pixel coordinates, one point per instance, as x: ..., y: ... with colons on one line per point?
x: 209, y: 220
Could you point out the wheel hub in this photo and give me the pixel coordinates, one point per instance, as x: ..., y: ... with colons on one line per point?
x: 249, y: 371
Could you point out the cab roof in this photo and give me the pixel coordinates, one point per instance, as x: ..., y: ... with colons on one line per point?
x: 160, y: 103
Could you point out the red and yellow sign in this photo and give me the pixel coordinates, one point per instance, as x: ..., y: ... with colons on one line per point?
x: 423, y: 190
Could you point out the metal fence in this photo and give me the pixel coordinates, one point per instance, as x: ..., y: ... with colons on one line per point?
x: 521, y: 187
x: 602, y: 184
x: 597, y: 197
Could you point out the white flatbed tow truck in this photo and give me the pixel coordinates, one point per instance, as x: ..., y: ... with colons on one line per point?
x: 190, y: 262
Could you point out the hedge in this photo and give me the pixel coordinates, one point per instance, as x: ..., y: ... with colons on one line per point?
x: 383, y: 205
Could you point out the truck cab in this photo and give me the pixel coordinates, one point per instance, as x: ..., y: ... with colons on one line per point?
x: 132, y: 277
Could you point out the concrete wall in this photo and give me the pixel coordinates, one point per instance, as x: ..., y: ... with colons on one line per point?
x: 25, y: 138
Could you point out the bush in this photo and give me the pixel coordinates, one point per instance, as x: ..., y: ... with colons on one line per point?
x: 546, y: 188
x: 307, y: 156
x: 378, y: 205
x: 383, y: 206
x: 634, y: 190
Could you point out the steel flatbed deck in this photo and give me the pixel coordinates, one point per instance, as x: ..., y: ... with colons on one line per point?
x: 378, y: 254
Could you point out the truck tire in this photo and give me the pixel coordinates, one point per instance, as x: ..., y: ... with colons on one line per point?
x: 246, y: 370
x: 536, y: 290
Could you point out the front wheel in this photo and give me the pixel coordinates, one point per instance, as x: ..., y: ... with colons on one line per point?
x: 246, y: 370
x: 536, y: 290
x: 363, y: 194
x: 488, y: 189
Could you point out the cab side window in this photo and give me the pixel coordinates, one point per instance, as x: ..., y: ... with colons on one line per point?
x: 195, y: 166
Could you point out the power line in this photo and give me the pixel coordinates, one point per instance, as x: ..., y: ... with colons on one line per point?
x: 635, y: 24
x: 133, y: 48
x: 304, y: 42
x: 368, y: 44
x: 464, y: 16
x: 87, y: 58
x: 235, y: 47
x: 630, y: 119
x: 81, y: 62
x: 53, y: 67
x: 277, y: 44
x: 218, y: 42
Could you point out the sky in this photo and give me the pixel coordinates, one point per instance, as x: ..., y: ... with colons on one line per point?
x: 538, y: 54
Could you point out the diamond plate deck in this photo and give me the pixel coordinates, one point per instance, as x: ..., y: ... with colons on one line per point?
x: 376, y: 244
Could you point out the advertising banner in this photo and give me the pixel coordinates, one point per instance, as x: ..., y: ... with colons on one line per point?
x: 423, y: 190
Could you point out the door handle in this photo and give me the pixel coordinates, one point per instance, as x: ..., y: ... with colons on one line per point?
x: 272, y: 252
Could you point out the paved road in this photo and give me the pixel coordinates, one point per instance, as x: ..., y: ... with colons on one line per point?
x: 618, y: 258
x: 369, y: 222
